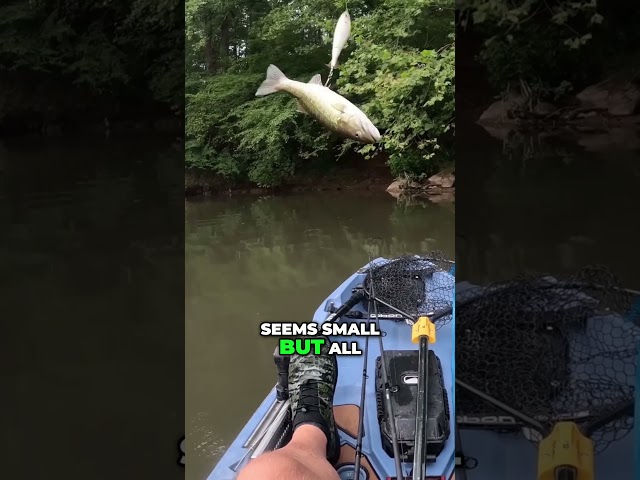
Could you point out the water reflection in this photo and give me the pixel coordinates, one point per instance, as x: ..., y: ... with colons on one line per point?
x: 534, y: 206
x: 250, y: 260
x: 91, y: 255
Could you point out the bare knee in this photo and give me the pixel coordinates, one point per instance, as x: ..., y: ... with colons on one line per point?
x: 293, y: 462
x: 302, y: 458
x: 274, y: 466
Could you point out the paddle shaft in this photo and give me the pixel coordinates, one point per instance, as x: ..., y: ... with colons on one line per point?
x: 420, y: 446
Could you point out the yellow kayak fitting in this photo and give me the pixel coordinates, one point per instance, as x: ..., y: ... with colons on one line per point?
x: 565, y: 454
x: 423, y: 327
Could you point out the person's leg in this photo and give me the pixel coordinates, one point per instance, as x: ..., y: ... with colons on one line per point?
x: 315, y: 445
x: 303, y: 458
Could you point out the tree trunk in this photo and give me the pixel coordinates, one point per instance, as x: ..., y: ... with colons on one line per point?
x: 209, y: 59
x: 225, y: 37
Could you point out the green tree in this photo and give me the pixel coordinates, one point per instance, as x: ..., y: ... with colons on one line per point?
x: 69, y: 59
x: 398, y: 68
x: 552, y: 47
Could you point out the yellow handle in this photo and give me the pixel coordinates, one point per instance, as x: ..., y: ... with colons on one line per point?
x: 423, y: 328
x: 565, y: 447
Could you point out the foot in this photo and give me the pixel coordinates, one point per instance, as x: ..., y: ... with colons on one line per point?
x: 312, y: 384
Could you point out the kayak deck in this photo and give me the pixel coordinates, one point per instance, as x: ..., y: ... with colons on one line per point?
x: 377, y: 463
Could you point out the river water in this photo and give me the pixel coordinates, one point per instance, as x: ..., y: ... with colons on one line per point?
x: 91, y: 298
x: 535, y: 206
x: 250, y: 260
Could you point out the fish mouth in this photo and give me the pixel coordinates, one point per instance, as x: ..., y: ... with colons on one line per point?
x: 372, y: 135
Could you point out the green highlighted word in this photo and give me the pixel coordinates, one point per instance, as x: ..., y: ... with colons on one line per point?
x: 301, y: 346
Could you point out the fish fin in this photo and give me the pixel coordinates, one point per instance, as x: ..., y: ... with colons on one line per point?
x: 316, y: 80
x: 300, y: 108
x: 271, y: 84
x: 340, y: 106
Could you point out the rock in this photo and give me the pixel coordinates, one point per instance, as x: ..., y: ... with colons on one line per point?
x: 440, y: 185
x: 402, y: 185
x: 620, y: 98
x: 442, y: 180
x: 544, y: 108
x: 497, y: 113
x: 500, y: 132
x: 394, y: 194
x: 500, y: 112
x: 594, y: 96
x: 396, y: 187
x: 624, y: 103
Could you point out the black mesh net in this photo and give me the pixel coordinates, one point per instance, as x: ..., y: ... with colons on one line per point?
x: 417, y: 285
x: 553, y: 348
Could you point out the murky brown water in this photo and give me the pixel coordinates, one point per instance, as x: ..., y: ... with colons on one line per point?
x: 91, y: 296
x: 534, y: 207
x: 250, y: 260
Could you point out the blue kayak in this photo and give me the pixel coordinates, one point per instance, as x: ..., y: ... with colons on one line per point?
x: 269, y: 427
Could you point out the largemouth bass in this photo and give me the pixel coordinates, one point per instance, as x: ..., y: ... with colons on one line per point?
x: 340, y: 37
x: 332, y: 110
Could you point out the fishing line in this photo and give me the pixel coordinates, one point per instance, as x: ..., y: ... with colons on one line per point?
x: 326, y: 84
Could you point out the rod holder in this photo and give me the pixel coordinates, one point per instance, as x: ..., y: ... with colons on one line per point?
x: 282, y: 367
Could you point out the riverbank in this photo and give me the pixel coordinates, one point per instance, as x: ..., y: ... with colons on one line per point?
x: 440, y: 187
x: 204, y: 183
x: 350, y: 173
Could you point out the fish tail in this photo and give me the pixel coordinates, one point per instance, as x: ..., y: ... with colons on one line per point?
x: 272, y: 83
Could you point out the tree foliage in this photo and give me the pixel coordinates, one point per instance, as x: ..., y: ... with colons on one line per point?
x: 70, y: 57
x: 551, y: 46
x: 398, y: 67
